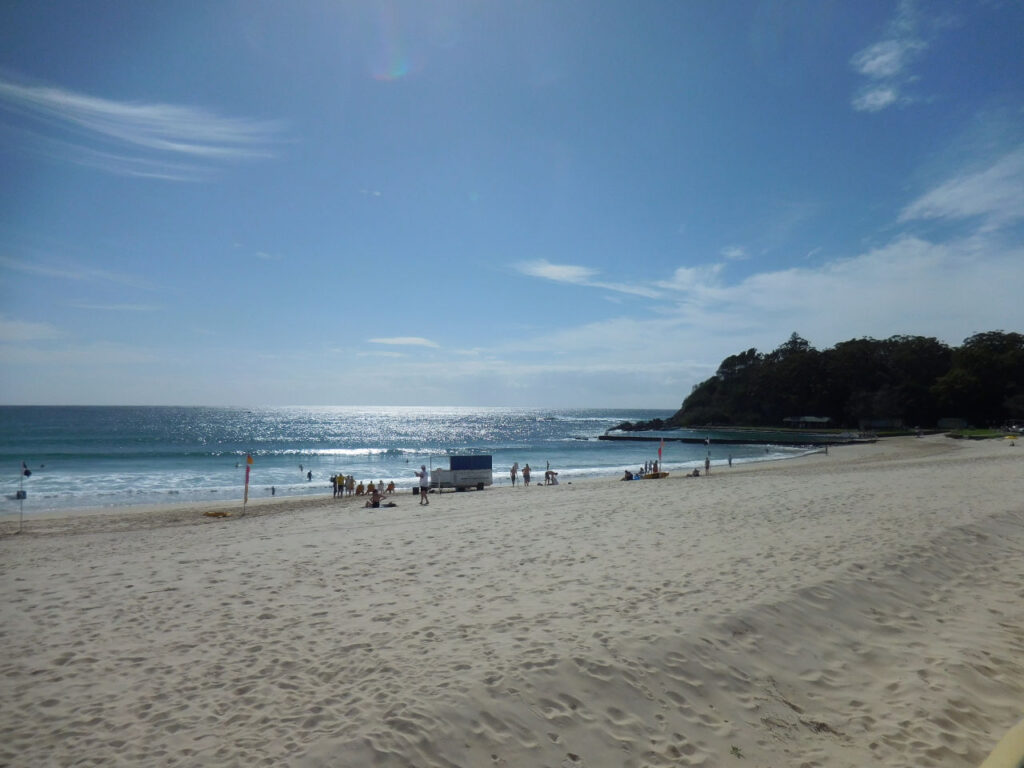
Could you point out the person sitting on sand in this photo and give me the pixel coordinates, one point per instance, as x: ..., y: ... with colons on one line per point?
x: 629, y: 475
x: 371, y: 487
x: 375, y: 499
x: 360, y: 489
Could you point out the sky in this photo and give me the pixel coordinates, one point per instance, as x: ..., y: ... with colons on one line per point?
x: 541, y: 203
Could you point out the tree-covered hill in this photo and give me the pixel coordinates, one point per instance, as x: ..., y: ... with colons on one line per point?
x: 913, y: 380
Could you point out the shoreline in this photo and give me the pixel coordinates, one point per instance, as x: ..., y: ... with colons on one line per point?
x: 862, y: 607
x: 174, y: 512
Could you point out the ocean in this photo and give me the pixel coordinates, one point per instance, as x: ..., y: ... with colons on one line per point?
x: 97, y: 456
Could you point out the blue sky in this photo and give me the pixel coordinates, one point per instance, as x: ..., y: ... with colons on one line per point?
x: 536, y: 203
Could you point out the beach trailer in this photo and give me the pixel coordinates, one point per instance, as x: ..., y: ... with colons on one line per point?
x: 464, y: 472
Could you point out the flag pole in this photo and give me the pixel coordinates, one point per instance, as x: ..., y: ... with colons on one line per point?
x: 248, y: 466
x: 25, y: 472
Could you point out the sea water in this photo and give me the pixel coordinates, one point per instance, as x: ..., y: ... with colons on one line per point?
x: 98, y: 456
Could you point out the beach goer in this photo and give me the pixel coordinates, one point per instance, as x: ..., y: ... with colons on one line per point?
x: 730, y: 459
x: 309, y: 475
x: 376, y: 499
x: 273, y: 490
x: 514, y: 472
x: 707, y: 465
x: 360, y: 489
x: 629, y: 475
x: 526, y: 475
x: 350, y: 484
x: 391, y: 487
x: 424, y: 477
x: 371, y: 488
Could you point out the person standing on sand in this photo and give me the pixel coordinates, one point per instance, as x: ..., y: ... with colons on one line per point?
x: 707, y: 465
x: 424, y: 483
x: 526, y: 475
x: 514, y: 472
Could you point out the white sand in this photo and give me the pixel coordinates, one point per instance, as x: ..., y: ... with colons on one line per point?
x: 864, y: 608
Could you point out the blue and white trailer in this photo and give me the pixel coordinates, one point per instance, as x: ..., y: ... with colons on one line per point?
x: 464, y: 472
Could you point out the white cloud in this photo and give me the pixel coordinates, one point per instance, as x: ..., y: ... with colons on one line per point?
x: 909, y: 285
x: 693, y: 279
x: 406, y: 341
x: 875, y: 99
x: 996, y: 194
x: 22, y: 331
x: 561, y: 273
x: 578, y: 275
x: 75, y: 359
x: 735, y: 253
x: 887, y: 58
x: 117, y: 307
x: 72, y: 271
x: 885, y: 63
x: 147, y: 139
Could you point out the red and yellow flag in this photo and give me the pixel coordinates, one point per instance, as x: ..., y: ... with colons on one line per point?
x: 248, y: 466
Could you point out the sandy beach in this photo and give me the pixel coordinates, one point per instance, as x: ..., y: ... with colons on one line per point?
x: 860, y: 608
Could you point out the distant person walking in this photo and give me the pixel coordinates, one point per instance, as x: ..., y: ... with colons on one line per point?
x: 424, y: 477
x: 526, y: 475
x: 515, y: 473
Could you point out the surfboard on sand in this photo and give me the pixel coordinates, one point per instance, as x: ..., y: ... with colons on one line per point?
x: 1009, y: 753
x: 655, y: 475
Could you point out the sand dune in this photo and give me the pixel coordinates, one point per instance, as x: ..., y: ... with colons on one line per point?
x: 861, y: 608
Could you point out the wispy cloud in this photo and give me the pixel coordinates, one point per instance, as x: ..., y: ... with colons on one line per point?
x: 405, y: 341
x: 117, y: 307
x: 579, y: 275
x: 560, y: 273
x: 22, y: 331
x: 135, y: 138
x: 995, y: 194
x: 886, y: 62
x: 735, y: 253
x: 71, y: 271
x: 875, y: 98
x: 693, y: 279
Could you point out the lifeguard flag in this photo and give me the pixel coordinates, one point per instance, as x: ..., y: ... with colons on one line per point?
x: 248, y: 466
